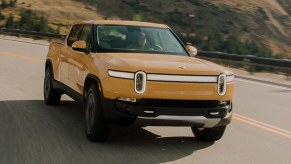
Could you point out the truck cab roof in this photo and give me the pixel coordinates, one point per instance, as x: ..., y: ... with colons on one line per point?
x: 121, y: 22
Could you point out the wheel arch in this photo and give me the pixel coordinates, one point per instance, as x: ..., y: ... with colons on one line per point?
x: 48, y: 63
x: 91, y: 79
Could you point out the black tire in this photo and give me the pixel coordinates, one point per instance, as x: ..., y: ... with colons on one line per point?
x: 51, y: 95
x: 96, y: 125
x: 208, y: 134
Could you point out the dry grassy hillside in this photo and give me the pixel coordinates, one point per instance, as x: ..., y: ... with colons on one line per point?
x: 278, y: 20
x: 266, y: 22
x: 60, y: 13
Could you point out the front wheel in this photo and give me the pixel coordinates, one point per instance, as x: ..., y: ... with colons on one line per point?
x: 51, y: 95
x: 208, y: 134
x: 96, y: 125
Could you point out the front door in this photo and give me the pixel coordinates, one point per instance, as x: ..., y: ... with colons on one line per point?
x: 79, y: 60
x: 65, y: 53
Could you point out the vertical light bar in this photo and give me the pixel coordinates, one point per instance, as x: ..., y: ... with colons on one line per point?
x: 221, y: 85
x: 140, y: 80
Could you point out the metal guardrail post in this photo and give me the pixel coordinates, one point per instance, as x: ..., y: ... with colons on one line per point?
x: 249, y: 66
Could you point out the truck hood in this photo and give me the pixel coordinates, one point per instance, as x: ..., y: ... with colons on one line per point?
x: 160, y: 63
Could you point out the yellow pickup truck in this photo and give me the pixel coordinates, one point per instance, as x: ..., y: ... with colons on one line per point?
x: 127, y: 72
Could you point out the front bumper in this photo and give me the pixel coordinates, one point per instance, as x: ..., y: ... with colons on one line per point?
x: 167, y: 113
x: 193, y: 121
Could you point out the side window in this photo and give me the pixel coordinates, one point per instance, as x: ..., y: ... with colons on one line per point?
x: 86, y: 35
x: 168, y: 42
x: 74, y: 35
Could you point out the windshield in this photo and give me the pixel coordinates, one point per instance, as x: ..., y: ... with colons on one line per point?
x: 117, y: 38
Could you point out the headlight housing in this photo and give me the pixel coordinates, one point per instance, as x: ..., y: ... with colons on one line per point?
x: 140, y: 80
x: 221, y: 84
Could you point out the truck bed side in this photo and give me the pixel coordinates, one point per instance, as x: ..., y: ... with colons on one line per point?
x: 54, y: 57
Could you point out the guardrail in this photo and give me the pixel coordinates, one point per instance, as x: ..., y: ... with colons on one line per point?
x: 253, y: 63
x: 31, y: 33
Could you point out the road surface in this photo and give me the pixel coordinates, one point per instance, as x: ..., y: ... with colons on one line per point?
x: 32, y: 132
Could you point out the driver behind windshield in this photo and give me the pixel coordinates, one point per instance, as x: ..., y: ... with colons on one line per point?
x: 140, y: 42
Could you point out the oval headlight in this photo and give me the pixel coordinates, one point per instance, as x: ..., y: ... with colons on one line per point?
x: 140, y: 79
x: 221, y: 85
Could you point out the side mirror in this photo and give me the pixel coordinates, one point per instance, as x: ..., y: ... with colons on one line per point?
x: 192, y: 50
x: 79, y: 46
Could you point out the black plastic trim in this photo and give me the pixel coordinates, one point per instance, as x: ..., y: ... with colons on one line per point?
x: 132, y: 114
x: 138, y: 110
x: 67, y: 90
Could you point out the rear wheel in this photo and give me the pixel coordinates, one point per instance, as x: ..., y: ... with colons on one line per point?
x: 96, y: 125
x: 208, y: 134
x: 51, y: 95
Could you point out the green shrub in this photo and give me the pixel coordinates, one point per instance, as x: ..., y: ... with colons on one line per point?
x: 29, y: 21
x: 1, y: 15
x: 10, y: 22
x: 263, y: 13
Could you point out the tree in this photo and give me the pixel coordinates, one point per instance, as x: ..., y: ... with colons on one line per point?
x: 1, y: 15
x: 27, y: 21
x: 231, y: 45
x: 43, y: 24
x: 30, y: 21
x: 58, y: 30
x: 12, y: 3
x: 3, y: 4
x: 10, y: 22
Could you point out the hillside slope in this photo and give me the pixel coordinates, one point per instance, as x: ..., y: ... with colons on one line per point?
x: 265, y: 22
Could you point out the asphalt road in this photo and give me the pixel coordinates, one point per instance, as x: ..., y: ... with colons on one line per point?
x: 31, y: 132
